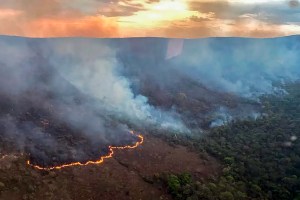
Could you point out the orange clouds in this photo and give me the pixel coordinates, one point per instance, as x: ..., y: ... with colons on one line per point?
x: 9, y: 13
x: 76, y: 27
x: 69, y: 27
x: 136, y: 18
x: 51, y: 18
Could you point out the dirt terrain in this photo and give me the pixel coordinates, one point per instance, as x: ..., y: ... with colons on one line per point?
x: 125, y: 176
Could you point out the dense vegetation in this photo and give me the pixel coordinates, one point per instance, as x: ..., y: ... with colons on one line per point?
x: 261, y: 158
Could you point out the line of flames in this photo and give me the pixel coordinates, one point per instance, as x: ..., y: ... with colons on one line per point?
x: 99, y: 161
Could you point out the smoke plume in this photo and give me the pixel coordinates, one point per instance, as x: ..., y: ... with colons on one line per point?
x: 64, y: 99
x: 69, y: 99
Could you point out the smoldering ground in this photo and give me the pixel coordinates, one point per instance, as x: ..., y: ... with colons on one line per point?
x: 44, y: 115
x: 66, y: 100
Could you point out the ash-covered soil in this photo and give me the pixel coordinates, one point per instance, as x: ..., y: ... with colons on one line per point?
x: 43, y: 115
x: 62, y: 103
x: 128, y: 175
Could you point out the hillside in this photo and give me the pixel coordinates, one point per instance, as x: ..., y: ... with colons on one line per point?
x: 219, y: 118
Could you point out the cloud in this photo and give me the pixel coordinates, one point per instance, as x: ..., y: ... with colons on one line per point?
x: 81, y: 27
x: 69, y: 27
x: 50, y: 18
x: 34, y: 8
x: 277, y: 11
x: 9, y: 13
x: 120, y: 9
x: 203, y: 17
x: 242, y: 27
x: 220, y: 8
x: 127, y: 18
x: 64, y: 8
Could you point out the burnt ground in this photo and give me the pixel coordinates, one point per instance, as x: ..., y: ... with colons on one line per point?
x: 48, y: 118
x: 125, y: 176
x: 128, y: 175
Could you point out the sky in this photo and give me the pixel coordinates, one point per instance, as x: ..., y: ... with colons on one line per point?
x: 150, y: 18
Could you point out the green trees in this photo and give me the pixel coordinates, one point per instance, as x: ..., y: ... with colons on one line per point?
x: 261, y: 158
x: 179, y: 186
x: 173, y: 184
x: 226, y: 196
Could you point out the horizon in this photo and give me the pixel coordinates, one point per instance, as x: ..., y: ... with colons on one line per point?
x: 152, y: 37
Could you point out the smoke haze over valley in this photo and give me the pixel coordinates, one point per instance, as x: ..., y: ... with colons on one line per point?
x: 99, y: 89
x: 146, y: 100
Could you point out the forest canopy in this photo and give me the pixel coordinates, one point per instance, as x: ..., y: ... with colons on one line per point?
x: 260, y: 158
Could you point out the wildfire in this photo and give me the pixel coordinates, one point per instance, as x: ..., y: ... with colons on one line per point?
x: 3, y: 157
x: 99, y: 161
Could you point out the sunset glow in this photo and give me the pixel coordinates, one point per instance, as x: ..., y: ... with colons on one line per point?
x: 158, y: 18
x: 160, y: 14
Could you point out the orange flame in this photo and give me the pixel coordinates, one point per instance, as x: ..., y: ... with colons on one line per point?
x: 99, y: 161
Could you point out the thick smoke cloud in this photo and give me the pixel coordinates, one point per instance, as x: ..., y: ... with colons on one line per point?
x: 68, y: 97
x: 54, y: 88
x: 45, y: 115
x: 246, y: 67
x: 207, y: 78
x: 64, y: 100
x: 94, y: 69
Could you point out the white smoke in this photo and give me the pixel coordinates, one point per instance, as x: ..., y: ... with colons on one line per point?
x: 93, y: 68
x: 246, y: 67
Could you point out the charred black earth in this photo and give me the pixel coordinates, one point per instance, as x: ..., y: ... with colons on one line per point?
x: 54, y: 125
x: 48, y: 112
